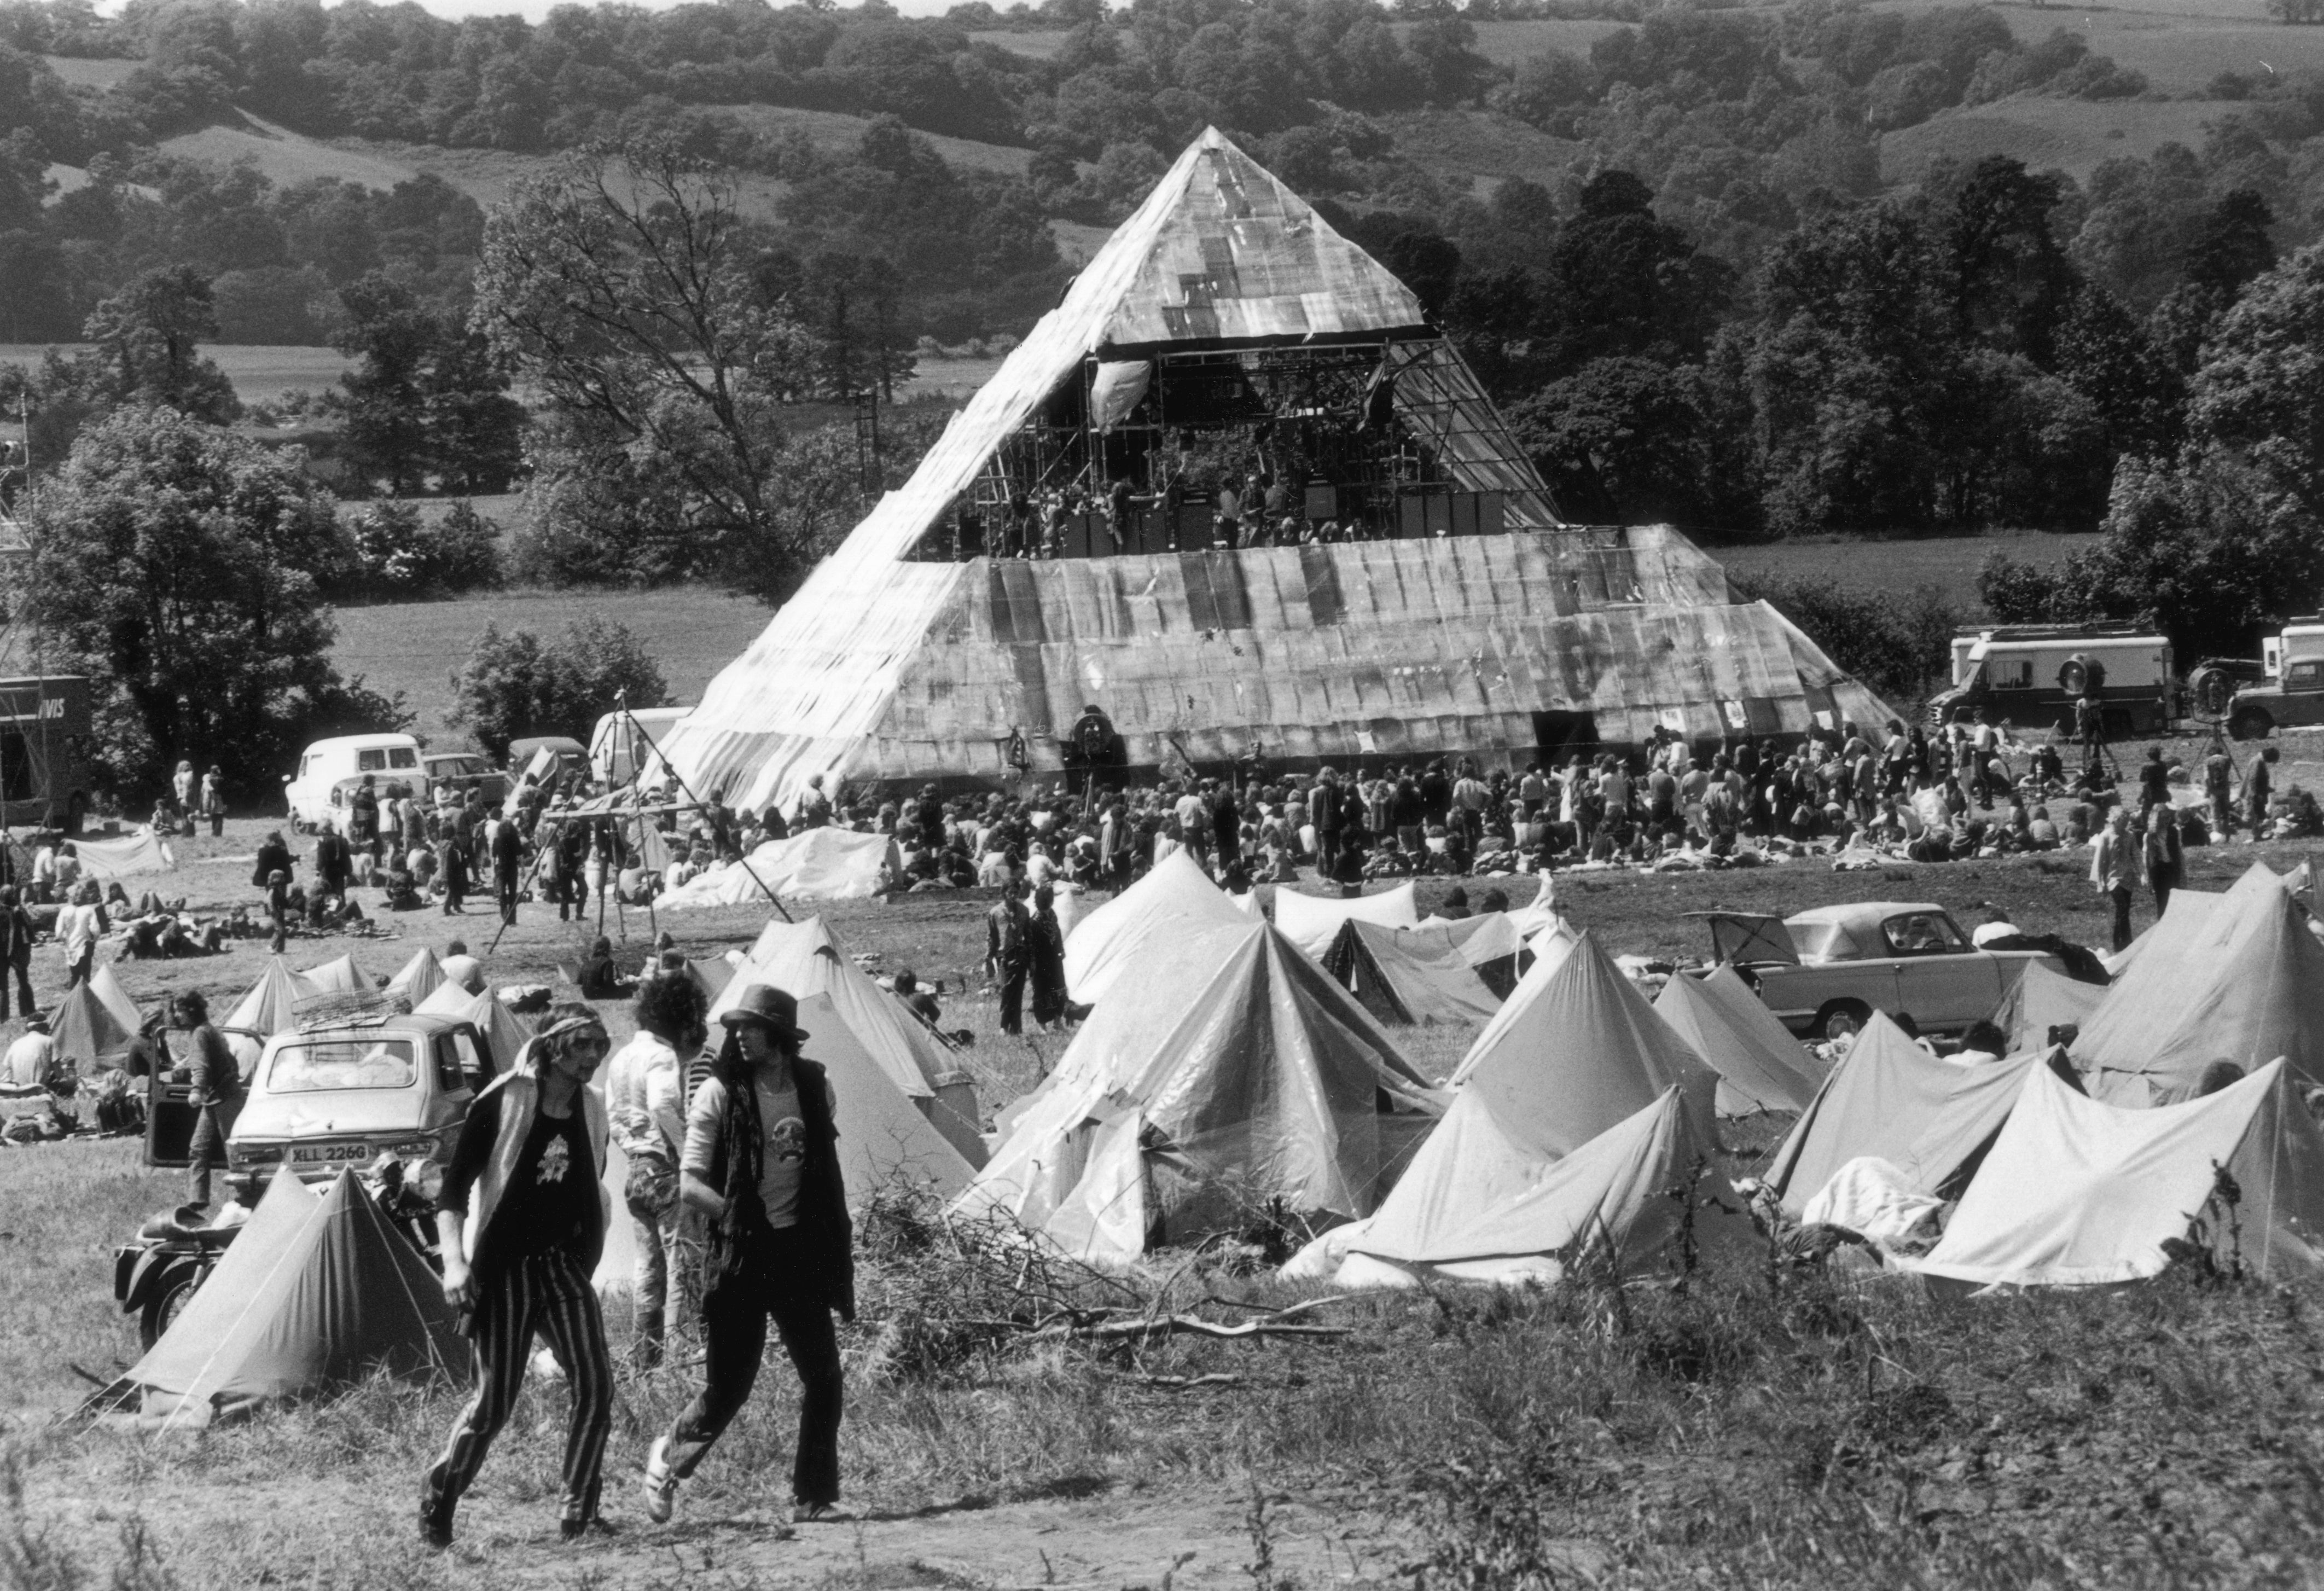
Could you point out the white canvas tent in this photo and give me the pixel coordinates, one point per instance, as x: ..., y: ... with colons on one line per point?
x: 2040, y: 1000
x: 1251, y: 1077
x: 106, y: 988
x: 2243, y: 982
x: 825, y: 864
x: 1176, y: 898
x: 883, y: 1137
x: 417, y: 978
x: 504, y: 1029
x: 1889, y: 1099
x: 339, y: 977
x: 1760, y: 1066
x: 2076, y: 1192
x: 1312, y: 922
x: 270, y: 1005
x: 1404, y: 976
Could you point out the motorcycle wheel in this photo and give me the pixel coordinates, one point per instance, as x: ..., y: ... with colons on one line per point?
x: 167, y: 1303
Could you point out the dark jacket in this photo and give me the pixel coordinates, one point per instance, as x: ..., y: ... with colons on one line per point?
x: 272, y: 857
x: 508, y: 853
x: 823, y: 1196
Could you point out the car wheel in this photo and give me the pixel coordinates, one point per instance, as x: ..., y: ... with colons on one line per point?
x: 1855, y: 1010
x: 2250, y: 723
x: 168, y: 1302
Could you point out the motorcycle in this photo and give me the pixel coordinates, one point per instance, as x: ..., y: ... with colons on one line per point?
x: 155, y: 1273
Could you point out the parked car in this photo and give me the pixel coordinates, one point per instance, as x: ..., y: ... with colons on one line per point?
x: 463, y: 772
x: 1905, y: 958
x: 329, y: 770
x: 2289, y: 692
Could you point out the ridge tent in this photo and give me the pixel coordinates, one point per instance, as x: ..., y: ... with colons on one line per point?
x: 1760, y: 1066
x: 883, y: 1137
x: 2244, y: 982
x: 1404, y: 976
x: 417, y: 978
x: 2040, y: 1000
x: 1310, y: 921
x: 1176, y: 898
x: 1611, y: 1193
x: 317, y: 1291
x: 1577, y: 1049
x: 2077, y: 1192
x: 2178, y: 924
x: 106, y: 988
x: 1889, y: 1099
x: 339, y: 977
x: 270, y: 1005
x: 1253, y: 1077
x: 804, y: 959
x: 503, y: 1029
x: 86, y: 1031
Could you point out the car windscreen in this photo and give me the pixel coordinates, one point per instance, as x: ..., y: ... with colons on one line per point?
x: 1923, y: 933
x: 315, y: 1065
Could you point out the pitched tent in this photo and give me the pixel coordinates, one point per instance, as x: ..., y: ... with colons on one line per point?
x: 1174, y: 899
x: 1253, y: 1079
x: 504, y: 1029
x: 116, y: 999
x: 1577, y: 1049
x: 2176, y: 928
x: 316, y: 1292
x: 1760, y: 1066
x: 883, y: 1137
x: 1312, y: 922
x: 270, y: 1005
x: 2040, y: 1000
x: 1404, y: 976
x: 1611, y: 1195
x: 341, y: 976
x: 2244, y: 983
x: 1889, y: 1099
x: 805, y: 958
x: 1493, y: 947
x: 2077, y: 1192
x: 911, y: 646
x: 87, y: 1033
x: 418, y: 977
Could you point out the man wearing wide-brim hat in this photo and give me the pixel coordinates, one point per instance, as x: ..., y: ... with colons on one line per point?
x: 761, y: 1163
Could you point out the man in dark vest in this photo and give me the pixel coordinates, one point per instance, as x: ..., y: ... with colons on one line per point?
x: 761, y: 1163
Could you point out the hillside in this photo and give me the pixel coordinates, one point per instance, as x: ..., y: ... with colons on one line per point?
x: 2070, y: 135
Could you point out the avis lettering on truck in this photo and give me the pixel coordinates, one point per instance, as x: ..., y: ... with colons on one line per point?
x: 2033, y: 675
x: 2292, y: 693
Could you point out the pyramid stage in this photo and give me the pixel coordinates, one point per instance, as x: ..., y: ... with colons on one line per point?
x: 1407, y: 592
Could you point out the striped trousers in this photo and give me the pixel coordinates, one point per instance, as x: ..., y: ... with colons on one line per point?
x: 548, y: 1294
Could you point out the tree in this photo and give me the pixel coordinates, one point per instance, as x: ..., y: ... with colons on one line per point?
x: 2009, y: 277
x: 149, y: 337
x: 2231, y: 250
x: 179, y: 566
x: 1621, y: 441
x: 622, y: 285
x: 2260, y: 392
x: 512, y: 685
x: 429, y: 396
x: 1631, y: 283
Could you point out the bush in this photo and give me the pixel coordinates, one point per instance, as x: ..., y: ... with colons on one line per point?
x: 515, y: 685
x: 395, y: 553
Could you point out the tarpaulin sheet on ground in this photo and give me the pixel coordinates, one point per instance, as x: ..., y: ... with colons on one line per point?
x: 105, y: 860
x: 816, y: 863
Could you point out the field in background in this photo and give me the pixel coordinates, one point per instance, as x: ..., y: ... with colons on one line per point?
x: 261, y: 374
x: 414, y: 647
x: 1947, y: 563
x: 2071, y: 135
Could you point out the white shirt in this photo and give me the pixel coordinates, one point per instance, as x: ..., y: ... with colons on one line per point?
x: 27, y: 1060
x: 76, y: 925
x: 1984, y: 934
x: 465, y: 971
x: 645, y: 1096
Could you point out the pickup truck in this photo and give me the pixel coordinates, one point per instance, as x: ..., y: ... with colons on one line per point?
x: 1905, y: 958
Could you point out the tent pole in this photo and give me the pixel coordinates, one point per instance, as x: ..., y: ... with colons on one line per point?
x: 669, y: 768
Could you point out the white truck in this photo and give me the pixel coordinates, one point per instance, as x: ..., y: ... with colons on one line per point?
x: 2290, y: 693
x: 2031, y: 675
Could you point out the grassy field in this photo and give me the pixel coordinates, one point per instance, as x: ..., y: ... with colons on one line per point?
x: 1478, y: 148
x: 1758, y: 1427
x: 414, y: 647
x: 835, y: 133
x: 2071, y: 135
x: 89, y: 74
x: 1949, y: 564
x: 261, y: 374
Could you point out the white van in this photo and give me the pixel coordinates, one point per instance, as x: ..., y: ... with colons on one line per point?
x: 330, y: 768
x: 624, y: 741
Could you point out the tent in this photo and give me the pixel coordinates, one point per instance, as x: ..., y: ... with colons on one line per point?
x: 105, y: 860
x: 1889, y: 1099
x: 804, y: 959
x: 1760, y: 1066
x: 1410, y: 975
x: 1233, y: 1074
x: 883, y: 1137
x: 1524, y: 1217
x: 823, y: 863
x: 1174, y: 899
x: 1310, y: 921
x: 106, y: 988
x: 2244, y: 982
x: 87, y: 1033
x: 341, y: 976
x: 1491, y: 945
x: 504, y: 1029
x: 2077, y: 1192
x: 270, y: 1005
x: 2173, y: 931
x: 317, y: 1291
x: 417, y: 978
x: 2040, y: 1000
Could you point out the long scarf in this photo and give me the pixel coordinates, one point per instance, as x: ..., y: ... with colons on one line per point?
x: 742, y: 1147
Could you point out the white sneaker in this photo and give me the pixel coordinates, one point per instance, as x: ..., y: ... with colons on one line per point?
x: 660, y: 1484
